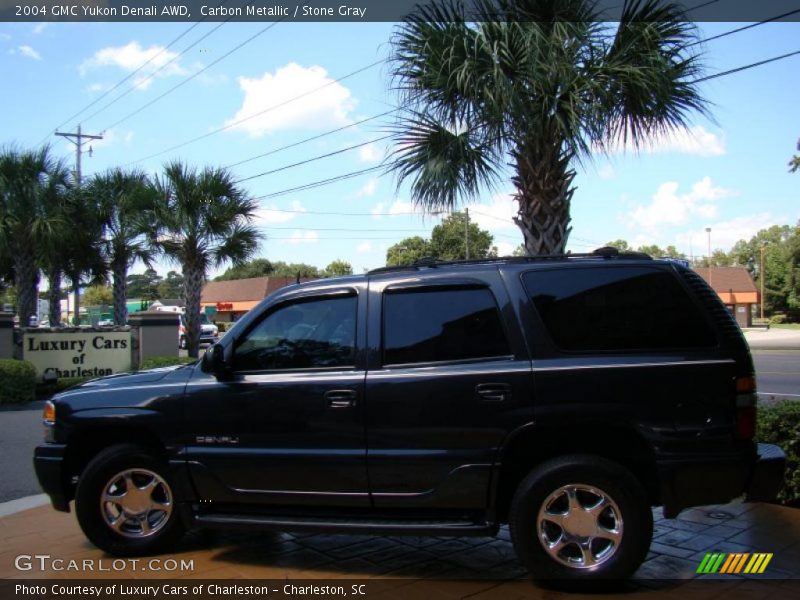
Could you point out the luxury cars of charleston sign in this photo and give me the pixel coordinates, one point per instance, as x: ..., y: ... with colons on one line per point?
x: 78, y: 353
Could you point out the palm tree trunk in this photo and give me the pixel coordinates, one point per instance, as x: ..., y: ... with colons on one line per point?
x: 544, y: 192
x: 54, y: 297
x: 193, y: 287
x: 75, y: 279
x: 120, y: 293
x: 26, y: 283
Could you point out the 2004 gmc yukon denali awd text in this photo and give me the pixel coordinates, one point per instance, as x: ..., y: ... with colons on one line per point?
x: 564, y: 396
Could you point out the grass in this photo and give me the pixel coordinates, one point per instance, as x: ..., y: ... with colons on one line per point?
x: 787, y: 326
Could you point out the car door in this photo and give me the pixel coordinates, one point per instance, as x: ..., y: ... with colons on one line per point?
x: 286, y: 427
x: 447, y: 380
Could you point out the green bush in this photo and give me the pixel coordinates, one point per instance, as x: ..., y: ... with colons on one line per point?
x: 779, y: 424
x: 777, y: 319
x: 155, y: 362
x: 17, y: 381
x: 224, y: 326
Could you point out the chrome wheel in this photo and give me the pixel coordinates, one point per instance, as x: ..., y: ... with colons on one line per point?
x: 136, y: 503
x: 579, y: 526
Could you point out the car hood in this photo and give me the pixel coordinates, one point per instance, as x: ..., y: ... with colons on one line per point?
x: 174, y: 373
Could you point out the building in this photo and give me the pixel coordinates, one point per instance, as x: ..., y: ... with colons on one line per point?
x: 736, y: 288
x: 231, y: 299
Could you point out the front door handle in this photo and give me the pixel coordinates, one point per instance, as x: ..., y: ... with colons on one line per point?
x: 340, y: 398
x: 493, y: 392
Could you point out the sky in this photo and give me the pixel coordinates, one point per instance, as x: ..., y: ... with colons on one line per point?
x: 728, y: 173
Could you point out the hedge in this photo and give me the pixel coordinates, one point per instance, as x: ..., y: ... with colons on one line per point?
x: 155, y: 362
x: 779, y: 424
x: 17, y: 381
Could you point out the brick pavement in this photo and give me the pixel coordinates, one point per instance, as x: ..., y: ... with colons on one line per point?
x: 474, y: 567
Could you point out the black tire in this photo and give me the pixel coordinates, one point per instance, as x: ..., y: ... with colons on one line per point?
x: 132, y: 538
x: 547, y: 489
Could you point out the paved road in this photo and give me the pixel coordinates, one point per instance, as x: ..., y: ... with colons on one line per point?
x: 778, y: 372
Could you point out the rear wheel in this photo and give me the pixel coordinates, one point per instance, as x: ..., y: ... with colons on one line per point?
x: 125, y: 504
x: 581, y: 518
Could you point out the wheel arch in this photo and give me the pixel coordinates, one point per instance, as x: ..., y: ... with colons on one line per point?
x: 530, y: 445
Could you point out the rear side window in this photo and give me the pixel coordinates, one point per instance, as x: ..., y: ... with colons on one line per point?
x: 441, y: 325
x: 616, y: 309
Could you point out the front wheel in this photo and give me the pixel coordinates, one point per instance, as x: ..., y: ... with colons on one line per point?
x: 581, y: 518
x: 125, y: 504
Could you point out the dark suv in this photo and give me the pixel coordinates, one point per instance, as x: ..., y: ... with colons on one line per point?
x: 563, y: 395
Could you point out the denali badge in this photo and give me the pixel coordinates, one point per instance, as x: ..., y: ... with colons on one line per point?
x: 216, y: 439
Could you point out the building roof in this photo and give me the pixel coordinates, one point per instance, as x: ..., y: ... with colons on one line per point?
x: 168, y: 302
x: 727, y: 279
x: 242, y: 290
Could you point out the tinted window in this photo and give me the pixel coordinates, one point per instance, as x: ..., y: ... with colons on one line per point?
x: 443, y: 325
x: 304, y: 335
x: 616, y: 309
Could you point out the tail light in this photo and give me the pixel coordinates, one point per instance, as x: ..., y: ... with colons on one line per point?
x: 746, y: 407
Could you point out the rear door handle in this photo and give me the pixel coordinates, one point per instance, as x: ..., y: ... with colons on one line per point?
x: 340, y: 398
x: 493, y: 392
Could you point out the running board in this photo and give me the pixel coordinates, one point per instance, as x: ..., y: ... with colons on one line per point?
x: 353, y: 526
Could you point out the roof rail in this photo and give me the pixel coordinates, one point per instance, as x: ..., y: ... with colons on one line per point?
x: 605, y: 253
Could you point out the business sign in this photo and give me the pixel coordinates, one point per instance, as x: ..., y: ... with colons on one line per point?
x: 78, y: 354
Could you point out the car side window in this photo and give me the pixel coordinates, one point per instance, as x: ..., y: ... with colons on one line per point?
x: 441, y: 325
x: 307, y: 334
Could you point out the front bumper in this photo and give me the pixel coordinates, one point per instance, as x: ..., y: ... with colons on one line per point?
x: 767, y: 478
x: 48, y: 461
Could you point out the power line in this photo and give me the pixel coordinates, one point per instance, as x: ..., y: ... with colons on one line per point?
x: 266, y: 110
x: 352, y: 229
x: 309, y: 160
x: 746, y: 67
x: 304, y: 141
x: 319, y: 183
x: 196, y: 74
x: 744, y: 28
x: 157, y: 71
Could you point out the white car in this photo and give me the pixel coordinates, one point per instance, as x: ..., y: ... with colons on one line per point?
x: 209, y: 333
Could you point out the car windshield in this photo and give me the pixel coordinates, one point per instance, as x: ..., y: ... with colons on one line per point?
x: 203, y: 319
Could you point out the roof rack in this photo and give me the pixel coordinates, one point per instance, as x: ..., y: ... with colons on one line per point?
x: 605, y: 253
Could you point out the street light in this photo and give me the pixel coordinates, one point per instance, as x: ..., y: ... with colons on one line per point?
x: 708, y: 231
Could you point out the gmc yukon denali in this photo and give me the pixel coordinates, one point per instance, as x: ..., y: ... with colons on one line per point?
x: 564, y: 396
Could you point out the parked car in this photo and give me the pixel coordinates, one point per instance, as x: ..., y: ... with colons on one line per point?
x: 564, y: 396
x: 209, y: 333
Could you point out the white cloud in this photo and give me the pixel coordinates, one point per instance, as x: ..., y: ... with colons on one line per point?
x: 668, y: 207
x: 606, y: 172
x: 304, y: 237
x: 132, y: 56
x: 39, y: 28
x: 724, y: 234
x: 96, y: 87
x: 111, y: 137
x: 505, y: 248
x: 697, y: 141
x: 364, y: 247
x: 370, y: 153
x: 271, y: 214
x: 5, y: 37
x: 324, y: 108
x: 497, y: 215
x: 29, y: 52
x: 401, y: 207
x: 368, y: 189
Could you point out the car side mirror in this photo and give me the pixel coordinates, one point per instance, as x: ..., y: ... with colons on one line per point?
x: 214, y: 362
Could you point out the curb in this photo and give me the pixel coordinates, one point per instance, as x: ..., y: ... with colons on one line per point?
x: 14, y: 506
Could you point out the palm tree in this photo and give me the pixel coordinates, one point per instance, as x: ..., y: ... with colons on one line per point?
x: 30, y: 181
x: 203, y: 220
x: 126, y: 200
x: 538, y: 86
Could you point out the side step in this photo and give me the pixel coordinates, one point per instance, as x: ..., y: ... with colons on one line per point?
x: 361, y: 526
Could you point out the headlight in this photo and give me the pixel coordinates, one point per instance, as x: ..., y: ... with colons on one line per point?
x: 49, y: 413
x: 215, y: 331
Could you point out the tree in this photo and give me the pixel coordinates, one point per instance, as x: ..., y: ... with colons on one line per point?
x: 449, y: 241
x: 451, y: 238
x: 620, y: 245
x: 98, y: 295
x: 171, y: 286
x: 338, y: 268
x: 202, y: 220
x: 538, y: 85
x: 30, y: 183
x: 125, y: 200
x: 408, y: 251
x: 258, y: 267
x: 282, y: 269
x: 144, y: 285
x: 794, y: 164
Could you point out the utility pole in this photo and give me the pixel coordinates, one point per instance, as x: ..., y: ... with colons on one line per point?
x: 79, y: 143
x: 78, y: 139
x: 761, y: 275
x: 466, y: 233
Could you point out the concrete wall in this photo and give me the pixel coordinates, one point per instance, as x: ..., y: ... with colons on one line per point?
x: 157, y: 334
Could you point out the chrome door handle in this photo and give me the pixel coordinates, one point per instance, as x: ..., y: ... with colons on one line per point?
x: 493, y: 392
x: 341, y: 398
